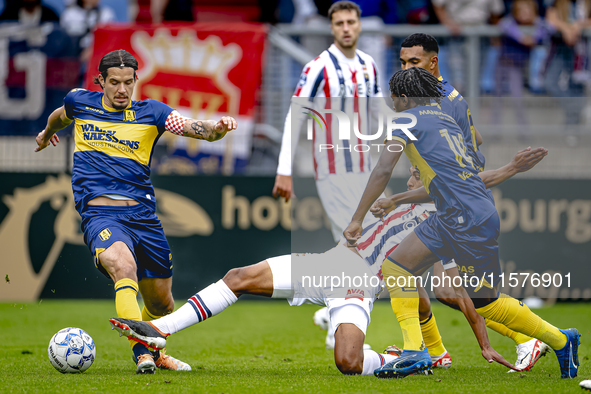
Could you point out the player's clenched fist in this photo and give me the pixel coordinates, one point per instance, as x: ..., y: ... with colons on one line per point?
x: 382, y: 207
x: 224, y: 125
x: 283, y: 187
x: 353, y: 232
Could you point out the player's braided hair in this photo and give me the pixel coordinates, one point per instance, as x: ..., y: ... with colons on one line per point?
x: 418, y: 84
x: 118, y: 58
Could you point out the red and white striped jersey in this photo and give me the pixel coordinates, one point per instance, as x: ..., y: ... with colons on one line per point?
x: 380, y: 239
x: 349, y: 83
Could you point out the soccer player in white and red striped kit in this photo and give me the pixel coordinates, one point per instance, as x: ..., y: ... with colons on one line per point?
x: 350, y: 78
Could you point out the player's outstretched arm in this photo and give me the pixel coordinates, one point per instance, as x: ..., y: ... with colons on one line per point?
x: 209, y: 130
x: 476, y: 322
x: 56, y: 121
x: 384, y: 206
x: 375, y: 186
x: 523, y: 161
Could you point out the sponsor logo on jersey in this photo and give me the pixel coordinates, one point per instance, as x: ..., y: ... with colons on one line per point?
x: 92, y: 133
x: 467, y: 269
x: 355, y: 293
x: 105, y: 234
x: 100, y: 111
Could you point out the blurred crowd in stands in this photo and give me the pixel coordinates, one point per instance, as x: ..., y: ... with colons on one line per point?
x: 550, y: 57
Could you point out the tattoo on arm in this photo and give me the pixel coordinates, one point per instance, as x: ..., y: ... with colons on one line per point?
x: 200, y: 129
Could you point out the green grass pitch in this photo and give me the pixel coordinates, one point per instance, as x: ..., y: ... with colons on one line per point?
x: 263, y: 347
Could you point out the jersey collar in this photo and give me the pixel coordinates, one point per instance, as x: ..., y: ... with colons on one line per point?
x: 340, y: 55
x: 112, y: 109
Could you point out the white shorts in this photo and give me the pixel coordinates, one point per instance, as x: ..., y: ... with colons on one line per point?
x: 340, y: 196
x: 300, y: 279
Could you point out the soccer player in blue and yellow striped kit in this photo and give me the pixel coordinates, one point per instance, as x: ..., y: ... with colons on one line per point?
x: 464, y: 230
x: 115, y: 138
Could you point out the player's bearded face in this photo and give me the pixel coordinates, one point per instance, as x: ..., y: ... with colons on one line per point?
x: 345, y: 26
x: 118, y: 87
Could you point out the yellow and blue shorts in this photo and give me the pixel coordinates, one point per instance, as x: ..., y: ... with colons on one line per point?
x: 475, y: 251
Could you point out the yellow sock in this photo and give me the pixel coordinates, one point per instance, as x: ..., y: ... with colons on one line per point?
x: 432, y: 337
x: 405, y: 303
x: 126, y: 301
x: 147, y: 316
x: 518, y: 337
x: 517, y: 316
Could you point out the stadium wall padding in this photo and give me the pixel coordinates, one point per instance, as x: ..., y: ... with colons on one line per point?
x: 215, y: 223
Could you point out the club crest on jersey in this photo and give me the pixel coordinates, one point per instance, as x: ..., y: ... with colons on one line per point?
x: 105, y: 234
x: 129, y: 115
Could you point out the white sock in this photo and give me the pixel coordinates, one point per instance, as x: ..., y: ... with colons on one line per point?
x: 373, y: 360
x: 205, y: 304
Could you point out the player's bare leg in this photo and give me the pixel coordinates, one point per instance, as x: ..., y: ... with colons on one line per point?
x: 157, y: 296
x: 529, y: 350
x: 255, y: 279
x: 349, y: 355
x: 348, y: 350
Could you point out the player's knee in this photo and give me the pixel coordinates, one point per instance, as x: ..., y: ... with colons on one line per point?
x: 237, y: 279
x: 117, y: 262
x: 350, y: 364
x: 162, y: 306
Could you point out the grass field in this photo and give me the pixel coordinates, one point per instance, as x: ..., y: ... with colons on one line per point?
x: 263, y: 347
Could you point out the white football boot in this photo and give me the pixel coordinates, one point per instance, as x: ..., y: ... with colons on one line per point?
x: 529, y: 353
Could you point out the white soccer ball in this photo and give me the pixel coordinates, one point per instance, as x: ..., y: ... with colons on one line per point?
x: 71, y: 350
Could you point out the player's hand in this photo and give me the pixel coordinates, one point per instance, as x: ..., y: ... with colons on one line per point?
x: 353, y: 232
x: 224, y: 125
x: 42, y: 144
x: 283, y: 187
x: 491, y: 355
x: 527, y: 158
x: 382, y: 207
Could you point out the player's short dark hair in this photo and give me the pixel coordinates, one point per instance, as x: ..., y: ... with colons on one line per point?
x: 418, y: 84
x: 427, y: 41
x: 118, y: 58
x: 343, y: 5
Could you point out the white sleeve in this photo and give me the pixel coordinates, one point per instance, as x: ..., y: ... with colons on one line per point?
x: 311, y: 81
x: 284, y: 165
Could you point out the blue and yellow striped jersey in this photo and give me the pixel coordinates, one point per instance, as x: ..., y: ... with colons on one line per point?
x: 113, y: 147
x: 454, y: 104
x: 448, y: 173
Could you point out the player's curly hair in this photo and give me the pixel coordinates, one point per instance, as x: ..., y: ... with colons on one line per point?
x: 118, y: 58
x: 427, y: 41
x: 418, y: 84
